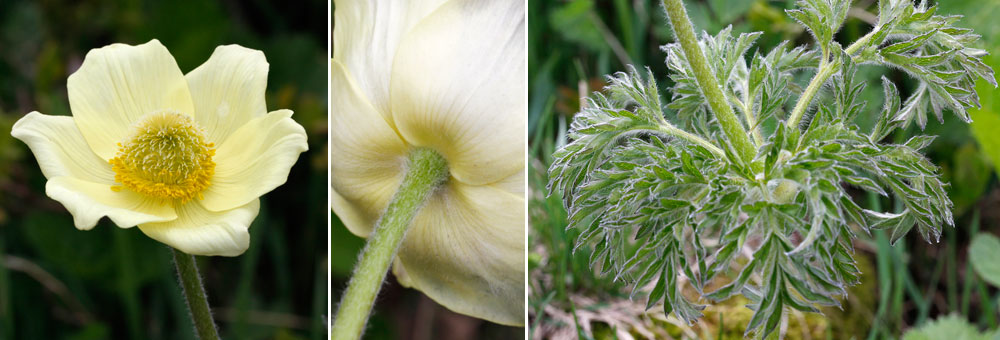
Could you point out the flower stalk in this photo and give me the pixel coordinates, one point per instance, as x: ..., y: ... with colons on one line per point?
x: 427, y: 169
x: 194, y: 293
x: 707, y: 82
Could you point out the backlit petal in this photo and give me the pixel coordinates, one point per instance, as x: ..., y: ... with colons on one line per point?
x: 60, y: 148
x: 89, y: 201
x: 367, y: 157
x: 465, y: 250
x: 117, y: 84
x: 197, y: 231
x: 366, y: 36
x: 254, y: 160
x: 228, y: 90
x: 513, y: 184
x: 458, y: 87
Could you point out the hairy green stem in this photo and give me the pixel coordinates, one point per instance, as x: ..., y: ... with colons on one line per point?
x: 425, y: 173
x: 826, y: 69
x: 194, y: 292
x: 747, y: 107
x: 707, y: 82
x: 674, y: 131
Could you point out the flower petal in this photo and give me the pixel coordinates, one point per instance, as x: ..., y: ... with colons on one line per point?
x: 513, y: 184
x: 228, y: 90
x: 465, y: 250
x: 60, y: 148
x: 197, y: 231
x: 458, y: 87
x: 254, y: 160
x: 367, y: 156
x: 365, y: 39
x: 88, y: 202
x: 117, y: 84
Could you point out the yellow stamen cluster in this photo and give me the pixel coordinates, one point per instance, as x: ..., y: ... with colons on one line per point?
x: 166, y: 156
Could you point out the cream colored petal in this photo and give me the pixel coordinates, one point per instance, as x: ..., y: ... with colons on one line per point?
x: 458, y: 86
x: 254, y: 160
x: 197, y: 231
x: 228, y: 90
x: 355, y: 218
x: 513, y: 184
x: 365, y: 38
x: 118, y: 84
x: 367, y: 157
x: 60, y: 148
x: 89, y: 201
x: 465, y: 250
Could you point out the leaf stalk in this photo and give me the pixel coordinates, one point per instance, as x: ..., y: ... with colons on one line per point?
x: 826, y: 69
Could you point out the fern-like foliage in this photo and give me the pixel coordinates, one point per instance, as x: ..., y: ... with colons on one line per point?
x: 679, y: 194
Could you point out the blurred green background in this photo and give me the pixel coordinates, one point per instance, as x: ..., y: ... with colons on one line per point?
x: 109, y: 283
x: 573, y: 44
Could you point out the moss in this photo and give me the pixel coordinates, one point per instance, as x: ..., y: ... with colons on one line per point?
x: 859, y: 308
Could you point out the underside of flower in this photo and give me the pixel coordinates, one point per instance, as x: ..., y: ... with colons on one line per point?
x: 166, y: 157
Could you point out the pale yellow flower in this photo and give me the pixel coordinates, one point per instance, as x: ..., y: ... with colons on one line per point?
x: 184, y: 157
x: 449, y: 76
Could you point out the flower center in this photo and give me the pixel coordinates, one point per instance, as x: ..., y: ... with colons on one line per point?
x: 166, y: 156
